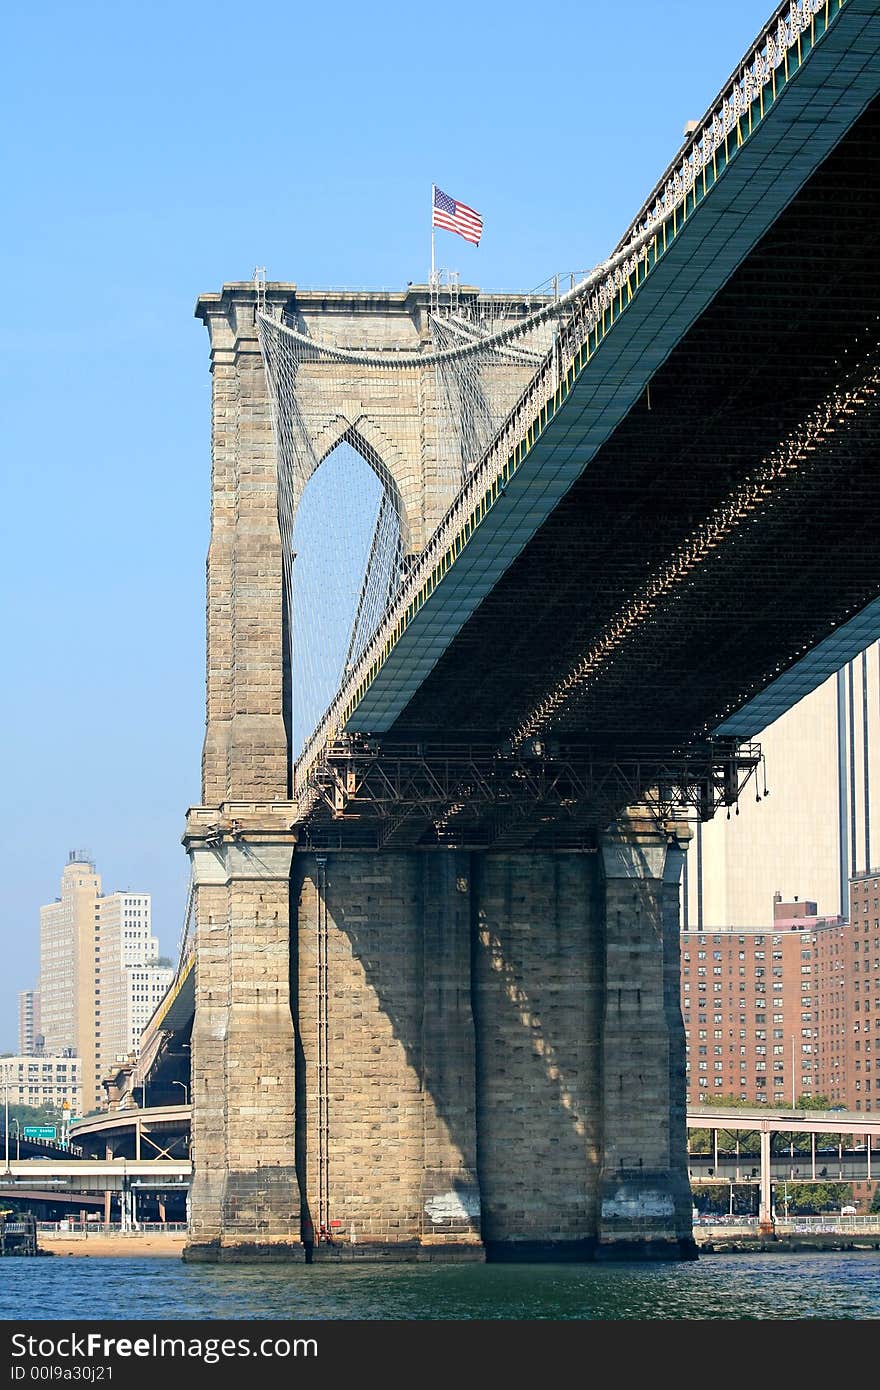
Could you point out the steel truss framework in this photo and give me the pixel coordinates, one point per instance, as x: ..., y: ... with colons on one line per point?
x: 383, y: 794
x: 582, y: 317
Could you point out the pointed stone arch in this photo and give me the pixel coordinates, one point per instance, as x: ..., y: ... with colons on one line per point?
x: 346, y: 547
x: 376, y: 449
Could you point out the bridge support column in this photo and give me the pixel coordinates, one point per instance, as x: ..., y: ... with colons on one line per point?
x: 385, y: 1136
x: 645, y: 1199
x: 245, y: 1195
x: 765, y: 1208
x: 450, y: 1188
x: 537, y: 1006
x: 125, y: 1206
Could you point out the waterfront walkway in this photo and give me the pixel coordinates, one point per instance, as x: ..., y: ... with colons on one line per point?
x: 85, y: 1238
x: 828, y: 1232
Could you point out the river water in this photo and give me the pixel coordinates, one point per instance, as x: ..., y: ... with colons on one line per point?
x: 840, y: 1285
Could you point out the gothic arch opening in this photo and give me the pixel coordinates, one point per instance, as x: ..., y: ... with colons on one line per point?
x: 344, y: 569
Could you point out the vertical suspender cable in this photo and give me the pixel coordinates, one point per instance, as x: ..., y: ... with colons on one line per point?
x: 852, y: 765
x: 843, y: 847
x: 866, y: 761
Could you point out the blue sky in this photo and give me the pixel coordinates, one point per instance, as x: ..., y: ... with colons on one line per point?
x: 154, y: 152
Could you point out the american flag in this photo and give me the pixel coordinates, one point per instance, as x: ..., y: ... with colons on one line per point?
x: 456, y: 217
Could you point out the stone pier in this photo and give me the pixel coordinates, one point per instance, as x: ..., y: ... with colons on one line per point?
x: 387, y: 1126
x: 453, y: 1055
x: 644, y: 1197
x: 245, y: 1192
x: 538, y: 992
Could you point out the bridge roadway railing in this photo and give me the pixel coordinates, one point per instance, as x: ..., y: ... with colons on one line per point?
x: 157, y: 1027
x: 51, y: 1147
x: 828, y: 1223
x: 587, y: 313
x: 113, y: 1228
x: 153, y: 1028
x: 88, y: 1172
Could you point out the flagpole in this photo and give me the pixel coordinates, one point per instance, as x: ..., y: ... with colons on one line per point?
x: 433, y: 188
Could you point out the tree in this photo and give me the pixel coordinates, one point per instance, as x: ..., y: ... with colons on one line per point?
x: 875, y: 1201
x: 748, y: 1139
x: 799, y: 1141
x: 812, y: 1198
x: 789, y: 1141
x: 34, y: 1114
x: 714, y: 1198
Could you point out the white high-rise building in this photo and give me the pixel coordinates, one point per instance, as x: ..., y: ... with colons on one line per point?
x: 30, y: 1037
x: 132, y: 980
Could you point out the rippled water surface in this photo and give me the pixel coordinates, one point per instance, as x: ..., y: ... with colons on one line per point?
x: 809, y: 1285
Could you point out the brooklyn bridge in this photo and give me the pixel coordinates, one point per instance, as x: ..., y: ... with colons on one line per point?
x: 501, y: 587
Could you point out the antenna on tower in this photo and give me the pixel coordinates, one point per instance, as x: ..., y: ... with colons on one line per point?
x: 260, y: 288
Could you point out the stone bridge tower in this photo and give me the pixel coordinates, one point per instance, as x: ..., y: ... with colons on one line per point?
x: 403, y: 1054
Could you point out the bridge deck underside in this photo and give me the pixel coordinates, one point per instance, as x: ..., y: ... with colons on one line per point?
x: 780, y: 337
x: 776, y: 339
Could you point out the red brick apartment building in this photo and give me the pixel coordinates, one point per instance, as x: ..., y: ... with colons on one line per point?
x: 774, y: 1014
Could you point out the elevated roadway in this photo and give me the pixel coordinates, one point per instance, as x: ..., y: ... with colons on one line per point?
x: 682, y: 543
x: 157, y: 1132
x: 122, y: 1185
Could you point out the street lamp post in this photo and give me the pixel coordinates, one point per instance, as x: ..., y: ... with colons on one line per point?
x: 17, y: 1124
x: 185, y: 1090
x: 6, y: 1116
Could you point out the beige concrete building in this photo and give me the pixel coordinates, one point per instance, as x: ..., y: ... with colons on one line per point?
x: 99, y: 981
x: 43, y: 1081
x: 69, y: 991
x: 820, y: 823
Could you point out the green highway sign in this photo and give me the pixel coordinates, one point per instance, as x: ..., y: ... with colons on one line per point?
x: 39, y: 1132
